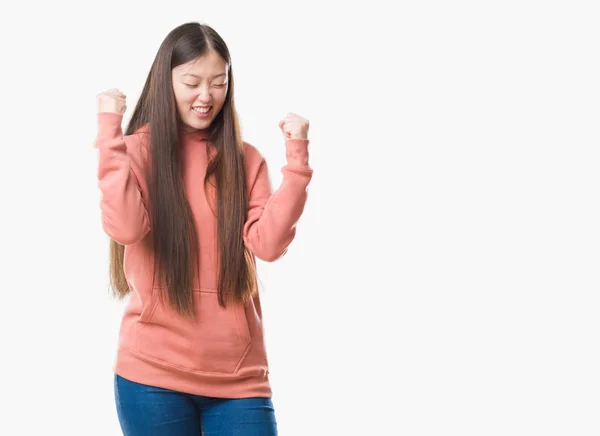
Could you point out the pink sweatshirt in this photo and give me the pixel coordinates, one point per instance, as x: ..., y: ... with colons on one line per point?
x: 223, y: 353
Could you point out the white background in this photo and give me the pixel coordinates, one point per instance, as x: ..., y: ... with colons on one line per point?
x: 444, y: 276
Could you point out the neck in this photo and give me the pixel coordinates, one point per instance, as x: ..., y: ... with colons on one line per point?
x: 199, y: 133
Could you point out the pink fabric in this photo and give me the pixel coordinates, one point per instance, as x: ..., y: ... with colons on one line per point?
x: 223, y: 353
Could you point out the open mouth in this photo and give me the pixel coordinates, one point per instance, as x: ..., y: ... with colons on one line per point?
x: 202, y: 111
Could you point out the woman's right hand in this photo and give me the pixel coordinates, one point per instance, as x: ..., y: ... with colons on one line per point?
x: 112, y: 100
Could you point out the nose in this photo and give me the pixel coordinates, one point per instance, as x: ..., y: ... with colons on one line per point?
x: 204, y: 96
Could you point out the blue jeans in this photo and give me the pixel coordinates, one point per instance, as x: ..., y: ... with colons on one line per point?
x: 150, y: 411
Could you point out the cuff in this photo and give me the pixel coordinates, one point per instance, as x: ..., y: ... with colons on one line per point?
x: 297, y: 152
x: 109, y: 124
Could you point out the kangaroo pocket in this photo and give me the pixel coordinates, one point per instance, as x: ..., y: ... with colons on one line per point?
x: 217, y: 341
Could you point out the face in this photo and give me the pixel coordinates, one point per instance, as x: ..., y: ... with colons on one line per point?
x: 200, y: 85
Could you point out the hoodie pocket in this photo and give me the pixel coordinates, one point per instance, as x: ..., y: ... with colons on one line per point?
x: 216, y: 342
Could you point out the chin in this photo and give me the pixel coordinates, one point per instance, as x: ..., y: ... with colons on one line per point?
x: 200, y: 124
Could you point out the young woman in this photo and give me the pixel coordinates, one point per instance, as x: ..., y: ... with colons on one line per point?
x: 188, y: 206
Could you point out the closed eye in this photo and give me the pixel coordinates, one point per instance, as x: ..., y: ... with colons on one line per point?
x: 217, y: 86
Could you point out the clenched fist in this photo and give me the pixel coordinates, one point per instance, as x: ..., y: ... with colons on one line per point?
x: 112, y: 100
x: 294, y: 127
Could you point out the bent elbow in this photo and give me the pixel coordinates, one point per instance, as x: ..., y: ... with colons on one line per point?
x: 271, y: 255
x: 124, y: 236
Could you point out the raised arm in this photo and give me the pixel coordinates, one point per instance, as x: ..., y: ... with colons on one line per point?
x: 272, y: 216
x: 124, y: 215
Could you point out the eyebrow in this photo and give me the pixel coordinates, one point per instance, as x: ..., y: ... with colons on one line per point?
x: 195, y: 75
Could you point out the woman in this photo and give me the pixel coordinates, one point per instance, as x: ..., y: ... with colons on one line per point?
x: 188, y: 206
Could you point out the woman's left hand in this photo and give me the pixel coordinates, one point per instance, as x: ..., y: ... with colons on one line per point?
x: 294, y: 126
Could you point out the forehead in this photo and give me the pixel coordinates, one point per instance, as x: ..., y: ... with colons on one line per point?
x: 208, y: 65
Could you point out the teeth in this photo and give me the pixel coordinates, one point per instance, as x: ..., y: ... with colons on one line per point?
x: 202, y: 110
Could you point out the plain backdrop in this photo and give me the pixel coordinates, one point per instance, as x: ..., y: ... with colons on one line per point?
x: 444, y: 275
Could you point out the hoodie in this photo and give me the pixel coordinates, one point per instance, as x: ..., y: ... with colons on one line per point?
x: 222, y: 353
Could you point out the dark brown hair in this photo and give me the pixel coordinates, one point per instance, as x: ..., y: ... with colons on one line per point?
x: 173, y: 232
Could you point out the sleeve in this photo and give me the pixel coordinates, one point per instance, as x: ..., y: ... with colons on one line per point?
x: 270, y: 226
x: 124, y: 216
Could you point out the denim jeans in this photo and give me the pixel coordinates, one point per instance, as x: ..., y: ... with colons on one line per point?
x: 151, y: 411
